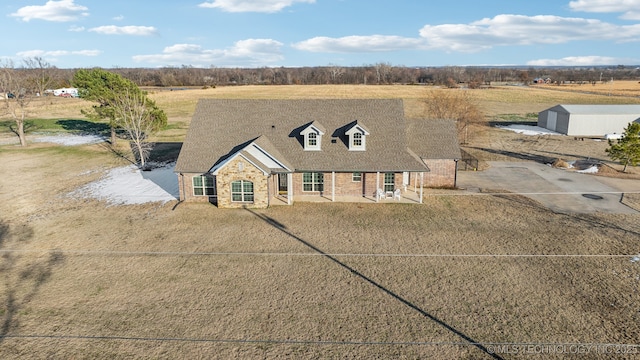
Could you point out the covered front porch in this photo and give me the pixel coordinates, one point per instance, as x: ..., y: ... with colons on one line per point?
x: 375, y: 187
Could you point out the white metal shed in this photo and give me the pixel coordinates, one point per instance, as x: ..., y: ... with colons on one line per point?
x: 588, y: 120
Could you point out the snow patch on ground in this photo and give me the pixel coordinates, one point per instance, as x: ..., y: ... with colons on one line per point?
x: 590, y: 170
x: 70, y: 140
x: 528, y: 130
x: 129, y: 185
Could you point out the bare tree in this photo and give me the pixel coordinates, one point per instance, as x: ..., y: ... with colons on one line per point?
x: 15, y: 96
x: 383, y: 70
x: 335, y: 73
x: 42, y: 73
x: 454, y: 104
x: 138, y: 116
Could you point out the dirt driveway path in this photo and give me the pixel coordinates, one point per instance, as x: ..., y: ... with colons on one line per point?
x: 560, y: 190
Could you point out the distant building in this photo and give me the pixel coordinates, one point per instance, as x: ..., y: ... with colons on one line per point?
x: 588, y: 120
x: 542, y: 80
x: 65, y: 92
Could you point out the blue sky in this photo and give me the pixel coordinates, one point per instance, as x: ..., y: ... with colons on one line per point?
x: 273, y: 33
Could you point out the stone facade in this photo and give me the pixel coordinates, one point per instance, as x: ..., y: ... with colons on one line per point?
x: 241, y: 169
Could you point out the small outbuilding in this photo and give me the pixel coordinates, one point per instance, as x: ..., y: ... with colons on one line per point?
x: 588, y: 120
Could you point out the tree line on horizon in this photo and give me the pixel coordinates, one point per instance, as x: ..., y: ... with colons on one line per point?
x: 117, y: 97
x: 375, y: 74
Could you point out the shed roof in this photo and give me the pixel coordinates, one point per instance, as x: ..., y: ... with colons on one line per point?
x: 601, y: 109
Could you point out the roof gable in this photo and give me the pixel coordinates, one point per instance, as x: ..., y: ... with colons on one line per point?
x: 257, y: 156
x: 313, y: 126
x: 354, y: 127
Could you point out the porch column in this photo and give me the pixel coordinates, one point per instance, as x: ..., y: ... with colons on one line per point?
x: 289, y: 188
x: 421, y: 186
x: 377, y: 185
x: 269, y: 183
x: 333, y: 186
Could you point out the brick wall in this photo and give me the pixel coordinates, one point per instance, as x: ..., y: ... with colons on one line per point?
x: 345, y: 186
x: 185, y: 184
x: 371, y: 182
x: 240, y: 169
x: 442, y: 174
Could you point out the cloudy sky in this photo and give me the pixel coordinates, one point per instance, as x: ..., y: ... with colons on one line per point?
x: 267, y: 33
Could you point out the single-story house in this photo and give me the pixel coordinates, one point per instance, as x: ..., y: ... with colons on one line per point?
x: 259, y: 153
x: 588, y: 120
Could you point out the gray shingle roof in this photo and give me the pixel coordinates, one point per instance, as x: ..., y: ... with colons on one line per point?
x: 433, y: 139
x: 222, y: 127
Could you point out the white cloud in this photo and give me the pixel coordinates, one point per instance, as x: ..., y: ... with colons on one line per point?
x: 264, y: 6
x: 630, y: 9
x: 502, y: 30
x: 76, y: 28
x: 581, y: 61
x: 119, y: 18
x: 53, y: 55
x: 86, y: 52
x: 59, y: 11
x: 372, y: 43
x: 510, y: 30
x: 125, y: 30
x: 250, y: 52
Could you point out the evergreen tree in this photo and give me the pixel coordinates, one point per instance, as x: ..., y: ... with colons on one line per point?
x: 626, y: 150
x: 120, y: 101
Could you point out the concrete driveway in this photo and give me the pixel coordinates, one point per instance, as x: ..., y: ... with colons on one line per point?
x: 560, y: 190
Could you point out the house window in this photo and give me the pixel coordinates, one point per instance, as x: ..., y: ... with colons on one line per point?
x: 356, y: 177
x: 312, y: 140
x: 242, y: 191
x: 312, y: 182
x: 357, y: 140
x: 389, y: 181
x: 357, y: 137
x: 203, y: 186
x: 312, y: 137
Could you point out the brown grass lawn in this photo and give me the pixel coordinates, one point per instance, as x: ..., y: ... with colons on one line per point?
x: 82, y: 279
x: 85, y: 280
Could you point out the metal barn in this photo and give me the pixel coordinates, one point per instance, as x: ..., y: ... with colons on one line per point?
x: 588, y: 120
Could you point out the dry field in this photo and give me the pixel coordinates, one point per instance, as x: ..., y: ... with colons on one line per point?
x: 180, y: 104
x: 445, y: 280
x: 85, y: 280
x: 615, y: 88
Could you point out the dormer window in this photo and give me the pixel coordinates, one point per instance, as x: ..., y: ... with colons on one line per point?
x: 312, y: 134
x: 312, y: 140
x: 357, y: 137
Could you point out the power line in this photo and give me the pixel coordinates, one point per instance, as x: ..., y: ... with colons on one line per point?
x: 313, y: 342
x: 284, y: 254
x: 530, y: 193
